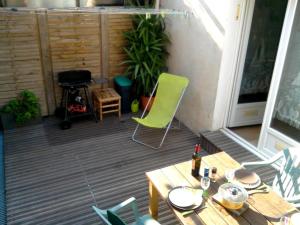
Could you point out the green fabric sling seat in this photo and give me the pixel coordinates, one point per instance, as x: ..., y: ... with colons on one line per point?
x: 170, y: 89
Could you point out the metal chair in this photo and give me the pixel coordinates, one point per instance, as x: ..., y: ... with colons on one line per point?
x: 170, y: 90
x: 287, y: 179
x: 131, y: 202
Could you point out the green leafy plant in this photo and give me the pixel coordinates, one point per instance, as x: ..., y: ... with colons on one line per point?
x: 146, y: 51
x: 24, y: 108
x: 140, y: 3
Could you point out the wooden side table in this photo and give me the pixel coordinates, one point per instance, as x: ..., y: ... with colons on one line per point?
x: 106, y: 101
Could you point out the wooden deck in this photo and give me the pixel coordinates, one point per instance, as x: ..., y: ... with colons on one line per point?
x: 55, y: 176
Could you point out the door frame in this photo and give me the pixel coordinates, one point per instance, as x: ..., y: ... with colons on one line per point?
x: 277, y: 74
x: 229, y: 62
x: 229, y: 66
x: 235, y: 108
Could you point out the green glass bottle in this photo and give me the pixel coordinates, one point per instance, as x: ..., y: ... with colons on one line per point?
x: 196, y: 161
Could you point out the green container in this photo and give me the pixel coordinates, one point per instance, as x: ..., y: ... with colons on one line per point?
x: 122, y: 81
x: 123, y: 87
x: 135, y: 106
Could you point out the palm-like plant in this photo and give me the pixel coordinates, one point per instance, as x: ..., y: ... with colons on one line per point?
x: 146, y: 51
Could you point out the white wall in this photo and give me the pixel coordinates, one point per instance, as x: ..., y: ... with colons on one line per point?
x: 196, y: 52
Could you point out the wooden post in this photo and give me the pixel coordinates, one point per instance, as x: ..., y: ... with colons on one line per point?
x: 46, y: 60
x: 153, y: 201
x: 100, y: 47
x: 104, y: 47
x: 156, y: 4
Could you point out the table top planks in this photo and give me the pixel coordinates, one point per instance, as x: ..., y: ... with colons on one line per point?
x: 264, y: 208
x: 106, y: 95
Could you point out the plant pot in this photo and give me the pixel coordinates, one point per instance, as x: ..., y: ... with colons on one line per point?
x: 144, y: 101
x: 31, y: 122
x: 135, y: 106
x: 8, y: 121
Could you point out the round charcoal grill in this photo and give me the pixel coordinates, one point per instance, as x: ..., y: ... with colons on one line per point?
x: 73, y: 81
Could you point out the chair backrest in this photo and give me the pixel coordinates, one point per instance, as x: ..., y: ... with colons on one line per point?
x: 102, y: 214
x: 287, y: 179
x: 169, y: 91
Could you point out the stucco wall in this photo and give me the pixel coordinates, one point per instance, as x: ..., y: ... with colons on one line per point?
x: 196, y: 52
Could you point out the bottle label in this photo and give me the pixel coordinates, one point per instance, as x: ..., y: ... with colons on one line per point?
x: 206, y: 172
x: 197, y: 164
x: 193, y: 164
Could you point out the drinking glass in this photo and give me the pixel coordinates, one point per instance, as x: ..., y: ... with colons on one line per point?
x: 213, y: 174
x: 284, y: 220
x: 205, y: 182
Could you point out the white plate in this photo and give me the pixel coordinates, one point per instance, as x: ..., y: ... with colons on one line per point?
x: 195, y: 206
x: 185, y: 197
x: 230, y: 177
x: 295, y: 219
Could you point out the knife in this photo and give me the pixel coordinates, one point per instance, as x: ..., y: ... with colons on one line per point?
x: 197, y: 210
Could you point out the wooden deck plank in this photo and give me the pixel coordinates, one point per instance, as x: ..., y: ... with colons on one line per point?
x: 55, y: 176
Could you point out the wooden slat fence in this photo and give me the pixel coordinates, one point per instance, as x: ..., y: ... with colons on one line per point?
x: 75, y: 43
x: 117, y: 25
x: 36, y: 45
x: 20, y: 59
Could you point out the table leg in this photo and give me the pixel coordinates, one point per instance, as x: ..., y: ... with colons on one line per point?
x: 153, y: 201
x: 119, y: 108
x: 100, y: 109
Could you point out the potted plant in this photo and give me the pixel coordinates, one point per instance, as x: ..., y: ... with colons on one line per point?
x: 146, y: 53
x: 143, y: 3
x: 21, y: 110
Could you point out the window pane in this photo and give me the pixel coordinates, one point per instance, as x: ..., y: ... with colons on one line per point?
x: 286, y: 116
x: 262, y: 48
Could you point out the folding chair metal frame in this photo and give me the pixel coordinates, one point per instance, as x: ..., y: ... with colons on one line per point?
x: 167, y: 127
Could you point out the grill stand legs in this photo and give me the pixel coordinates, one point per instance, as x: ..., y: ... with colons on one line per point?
x: 90, y: 103
x: 66, y: 123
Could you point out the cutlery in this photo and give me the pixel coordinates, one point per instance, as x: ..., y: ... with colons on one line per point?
x: 258, y: 191
x: 288, y: 213
x: 197, y: 210
x: 262, y: 189
x: 263, y: 186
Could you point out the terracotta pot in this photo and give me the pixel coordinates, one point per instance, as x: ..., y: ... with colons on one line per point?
x: 144, y: 101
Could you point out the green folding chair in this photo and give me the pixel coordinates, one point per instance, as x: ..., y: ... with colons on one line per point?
x: 170, y: 90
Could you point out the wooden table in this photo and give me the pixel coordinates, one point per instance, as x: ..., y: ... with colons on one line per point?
x: 265, y: 208
x: 106, y: 101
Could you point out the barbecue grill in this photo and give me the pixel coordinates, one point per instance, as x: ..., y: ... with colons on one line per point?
x: 72, y: 82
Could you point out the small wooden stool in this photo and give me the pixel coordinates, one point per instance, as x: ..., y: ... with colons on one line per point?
x: 106, y: 101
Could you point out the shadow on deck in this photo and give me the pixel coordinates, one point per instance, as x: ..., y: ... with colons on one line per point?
x: 55, y: 176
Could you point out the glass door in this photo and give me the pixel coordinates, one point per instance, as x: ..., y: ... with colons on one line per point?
x: 263, y: 25
x: 282, y: 119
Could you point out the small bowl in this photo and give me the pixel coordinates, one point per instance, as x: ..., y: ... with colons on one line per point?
x: 295, y: 218
x: 233, y: 196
